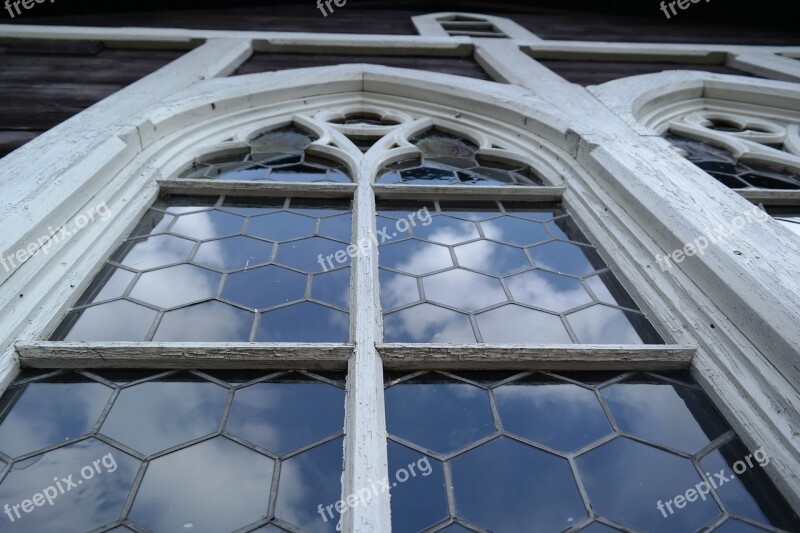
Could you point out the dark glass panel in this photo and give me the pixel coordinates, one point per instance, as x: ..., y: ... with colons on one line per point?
x: 303, y: 322
x: 418, y: 493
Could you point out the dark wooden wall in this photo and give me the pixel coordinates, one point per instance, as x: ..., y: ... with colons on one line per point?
x: 691, y: 26
x: 460, y: 66
x: 44, y: 84
x: 597, y: 72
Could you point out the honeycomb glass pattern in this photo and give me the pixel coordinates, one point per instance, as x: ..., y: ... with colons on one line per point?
x: 215, y: 452
x: 450, y: 160
x: 277, y: 155
x: 723, y: 166
x: 223, y: 269
x: 498, y: 273
x: 515, y: 447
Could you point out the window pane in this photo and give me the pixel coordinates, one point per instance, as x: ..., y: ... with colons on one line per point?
x: 723, y: 166
x: 450, y: 160
x: 517, y: 446
x: 213, y: 448
x: 510, y: 273
x: 788, y: 216
x: 277, y: 155
x: 224, y: 269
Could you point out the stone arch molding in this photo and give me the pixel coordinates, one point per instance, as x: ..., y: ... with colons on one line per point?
x: 758, y: 121
x: 507, y: 123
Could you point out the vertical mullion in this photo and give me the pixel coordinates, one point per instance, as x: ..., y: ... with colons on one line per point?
x: 365, y: 459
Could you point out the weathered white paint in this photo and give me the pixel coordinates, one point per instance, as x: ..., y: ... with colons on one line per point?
x: 740, y: 311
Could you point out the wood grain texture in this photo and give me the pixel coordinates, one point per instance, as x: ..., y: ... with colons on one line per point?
x: 184, y: 355
x: 527, y: 357
x: 459, y: 66
x: 44, y: 83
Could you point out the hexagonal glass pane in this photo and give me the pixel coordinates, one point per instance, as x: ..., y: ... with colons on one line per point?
x: 418, y: 493
x: 338, y: 227
x: 286, y: 415
x: 320, y: 468
x: 232, y: 492
x: 600, y: 324
x: 115, y: 321
x: 233, y: 253
x: 315, y: 254
x: 283, y: 226
x: 561, y: 415
x: 517, y: 231
x: 527, y: 486
x: 260, y: 288
x: 397, y: 289
x: 415, y: 257
x: 99, y: 480
x: 744, y: 469
x: 665, y: 413
x: 567, y: 258
x: 619, y: 475
x: 109, y: 284
x: 446, y: 230
x: 51, y: 411
x: 516, y: 324
x: 206, y: 322
x: 492, y: 258
x: 438, y: 413
x: 332, y: 287
x: 156, y: 415
x: 176, y: 286
x: 291, y: 324
x: 153, y: 252
x: 548, y: 290
x: 448, y: 288
x: 208, y: 225
x: 427, y: 323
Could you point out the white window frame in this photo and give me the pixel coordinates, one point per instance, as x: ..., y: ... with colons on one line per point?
x: 634, y: 197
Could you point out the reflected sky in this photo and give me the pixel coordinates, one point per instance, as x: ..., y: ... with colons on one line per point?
x: 176, y: 286
x: 93, y: 503
x: 332, y: 287
x: 41, y: 414
x: 739, y: 493
x: 216, y: 485
x: 441, y: 417
x: 619, y: 478
x: 449, y: 288
x: 308, y: 480
x: 152, y: 252
x: 515, y: 231
x: 110, y: 283
x: 206, y: 322
x: 600, y: 324
x: 492, y: 258
x: 665, y: 413
x: 115, y: 321
x: 420, y: 501
x: 259, y: 288
x: 415, y: 257
x: 282, y: 226
x: 154, y: 416
x: 427, y: 323
x: 233, y: 253
x: 446, y: 230
x: 208, y: 225
x: 282, y: 417
x: 548, y: 290
x: 567, y: 258
x: 397, y: 289
x: 531, y: 490
x: 516, y: 324
x: 291, y: 324
x: 560, y: 415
